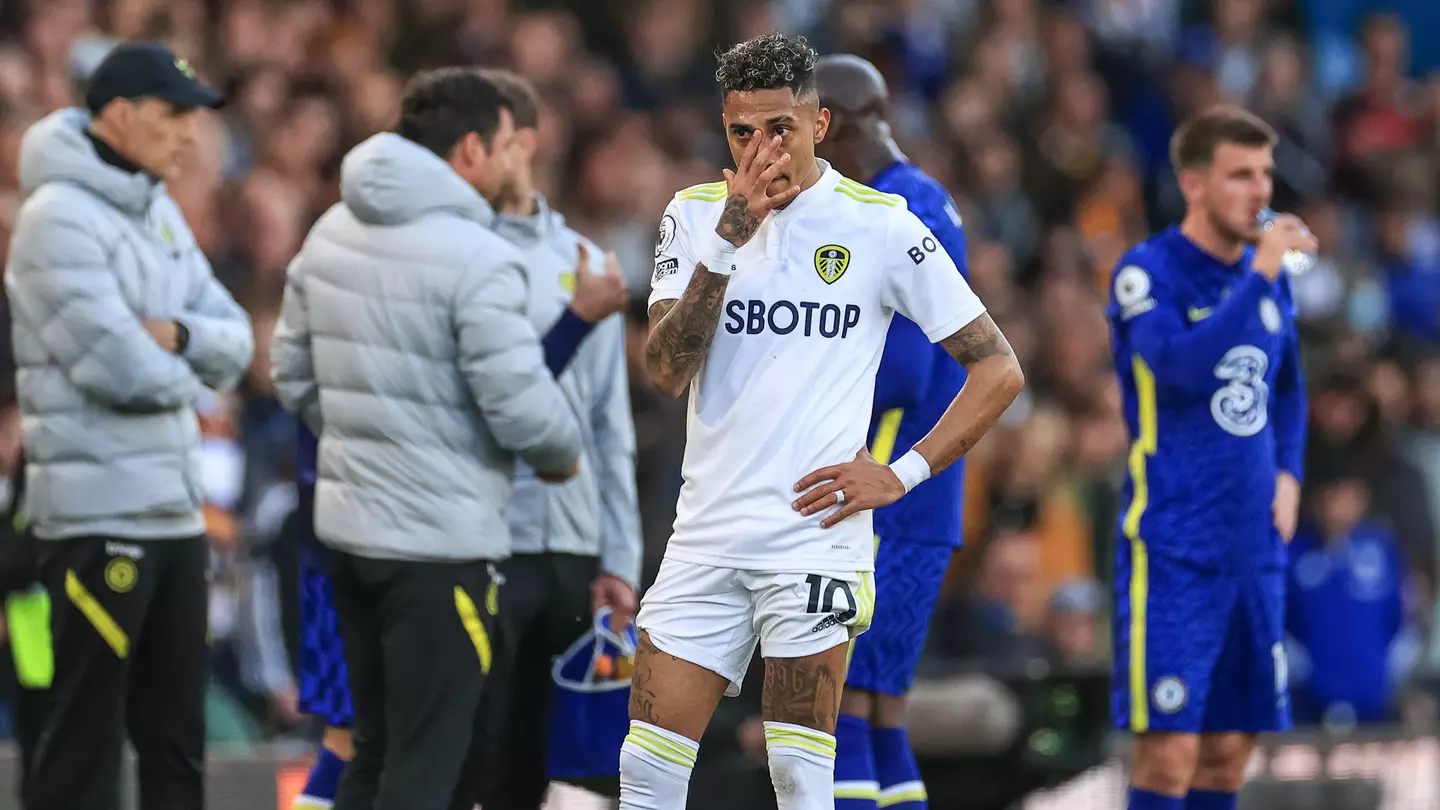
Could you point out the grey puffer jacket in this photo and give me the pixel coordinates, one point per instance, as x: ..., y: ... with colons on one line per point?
x: 404, y: 345
x: 110, y: 429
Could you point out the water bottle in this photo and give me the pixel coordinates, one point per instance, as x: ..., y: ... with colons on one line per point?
x: 1295, y: 262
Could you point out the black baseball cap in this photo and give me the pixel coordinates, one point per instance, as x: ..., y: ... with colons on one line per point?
x: 148, y: 70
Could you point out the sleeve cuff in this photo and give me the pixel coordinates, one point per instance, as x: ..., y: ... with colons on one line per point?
x: 564, y: 339
x: 656, y: 296
x: 935, y: 334
x: 624, y: 565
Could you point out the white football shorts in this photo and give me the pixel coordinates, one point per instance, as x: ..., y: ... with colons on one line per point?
x: 713, y: 617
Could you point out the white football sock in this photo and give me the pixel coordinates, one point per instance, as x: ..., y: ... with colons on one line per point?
x: 802, y: 766
x: 655, y: 767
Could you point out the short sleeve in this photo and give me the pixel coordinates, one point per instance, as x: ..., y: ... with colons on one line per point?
x: 674, y: 257
x: 922, y: 282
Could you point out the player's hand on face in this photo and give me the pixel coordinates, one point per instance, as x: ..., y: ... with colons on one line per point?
x: 1285, y: 234
x: 747, y: 201
x: 599, y: 295
x: 1285, y: 509
x: 867, y: 484
x: 615, y: 593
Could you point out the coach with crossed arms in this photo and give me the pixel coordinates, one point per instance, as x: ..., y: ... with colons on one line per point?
x: 119, y: 325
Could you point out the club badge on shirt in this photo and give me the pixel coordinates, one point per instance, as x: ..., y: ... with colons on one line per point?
x: 831, y: 262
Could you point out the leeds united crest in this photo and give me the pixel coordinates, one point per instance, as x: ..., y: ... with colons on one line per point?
x: 831, y: 262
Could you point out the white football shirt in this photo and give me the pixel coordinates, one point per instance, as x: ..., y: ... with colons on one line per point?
x: 789, y: 382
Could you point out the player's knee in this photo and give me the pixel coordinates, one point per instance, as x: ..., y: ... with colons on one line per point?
x: 1165, y: 763
x: 1221, y: 762
x: 857, y: 702
x: 889, y: 711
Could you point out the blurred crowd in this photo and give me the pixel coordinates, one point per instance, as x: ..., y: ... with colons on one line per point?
x: 1049, y: 123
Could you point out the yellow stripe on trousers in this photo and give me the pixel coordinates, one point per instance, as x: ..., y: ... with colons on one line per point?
x: 1141, y: 450
x: 470, y: 618
x: 97, y: 615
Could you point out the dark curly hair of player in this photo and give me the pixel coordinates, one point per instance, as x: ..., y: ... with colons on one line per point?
x: 768, y: 62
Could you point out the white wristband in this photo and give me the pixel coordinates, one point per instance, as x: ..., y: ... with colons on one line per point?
x: 912, y: 469
x: 720, y: 258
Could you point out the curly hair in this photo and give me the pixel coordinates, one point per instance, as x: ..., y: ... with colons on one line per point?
x: 768, y: 62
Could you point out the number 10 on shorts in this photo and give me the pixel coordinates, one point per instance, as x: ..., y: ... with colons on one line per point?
x: 822, y: 597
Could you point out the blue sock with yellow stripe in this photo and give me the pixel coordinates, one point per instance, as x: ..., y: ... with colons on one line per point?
x: 1145, y: 800
x: 319, y: 792
x: 895, y: 766
x: 855, y: 785
x: 1210, y: 800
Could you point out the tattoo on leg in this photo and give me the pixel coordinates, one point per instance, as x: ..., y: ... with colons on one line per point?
x: 802, y: 691
x: 643, y: 689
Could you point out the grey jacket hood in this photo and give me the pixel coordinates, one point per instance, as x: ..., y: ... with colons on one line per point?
x: 56, y: 149
x: 527, y: 231
x: 389, y: 180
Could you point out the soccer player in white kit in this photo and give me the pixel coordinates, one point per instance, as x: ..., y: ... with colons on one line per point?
x: 772, y: 295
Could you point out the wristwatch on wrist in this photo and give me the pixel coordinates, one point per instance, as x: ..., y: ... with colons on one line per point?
x: 182, y: 337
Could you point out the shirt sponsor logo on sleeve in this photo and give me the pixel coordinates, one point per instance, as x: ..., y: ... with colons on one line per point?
x: 927, y: 245
x: 666, y: 267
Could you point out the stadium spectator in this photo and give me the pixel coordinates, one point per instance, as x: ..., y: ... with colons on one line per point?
x: 403, y: 345
x: 1074, y: 622
x: 1345, y: 614
x: 119, y: 326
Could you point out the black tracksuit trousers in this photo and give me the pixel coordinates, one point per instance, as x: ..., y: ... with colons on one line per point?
x: 129, y: 621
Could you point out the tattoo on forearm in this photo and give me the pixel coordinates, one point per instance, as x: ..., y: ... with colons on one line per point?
x: 989, y: 391
x: 681, y: 334
x: 737, y: 224
x: 977, y: 341
x: 802, y: 691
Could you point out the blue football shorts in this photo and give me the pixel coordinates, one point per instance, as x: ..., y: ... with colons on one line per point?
x: 1198, y: 651
x: 908, y: 577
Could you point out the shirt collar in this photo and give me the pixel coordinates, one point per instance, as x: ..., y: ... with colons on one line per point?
x: 807, y: 198
x: 110, y: 155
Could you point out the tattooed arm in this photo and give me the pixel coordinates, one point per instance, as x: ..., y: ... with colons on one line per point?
x: 681, y: 331
x: 993, y: 381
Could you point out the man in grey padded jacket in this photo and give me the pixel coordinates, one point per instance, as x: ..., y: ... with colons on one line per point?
x: 404, y: 346
x: 118, y: 327
x: 576, y: 544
